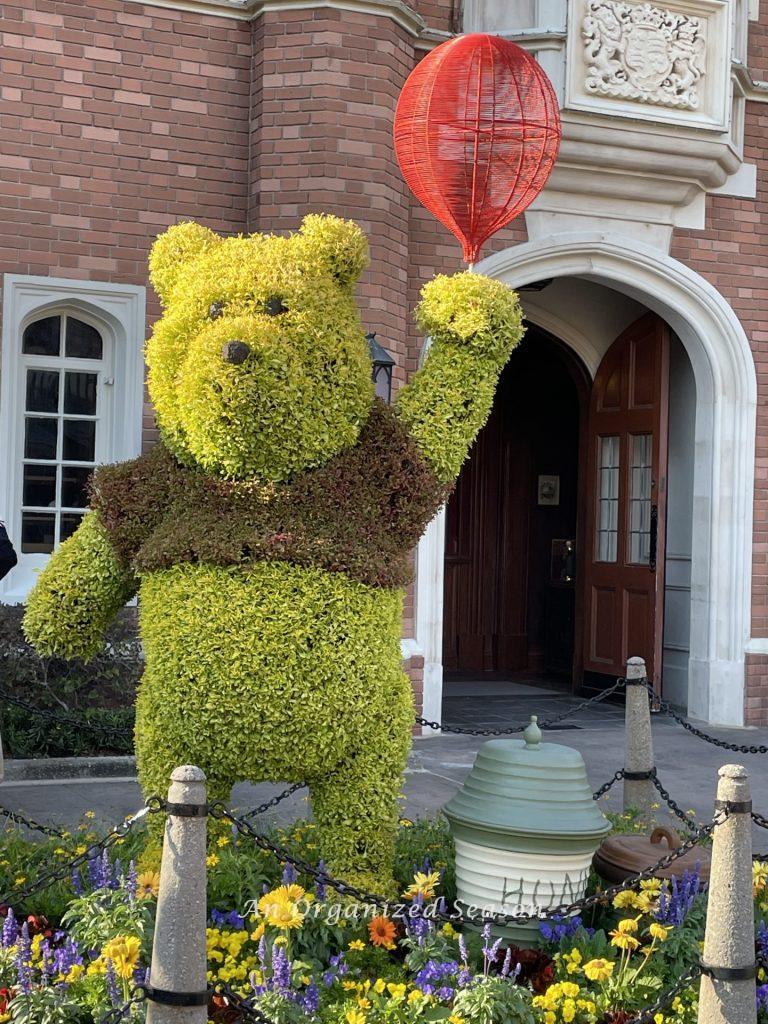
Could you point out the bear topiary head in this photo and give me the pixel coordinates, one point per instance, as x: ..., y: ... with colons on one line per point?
x: 259, y: 367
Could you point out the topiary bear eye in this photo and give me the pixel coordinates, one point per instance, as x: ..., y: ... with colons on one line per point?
x: 216, y: 309
x: 274, y: 306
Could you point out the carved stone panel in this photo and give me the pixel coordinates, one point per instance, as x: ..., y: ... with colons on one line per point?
x: 669, y: 63
x: 644, y: 53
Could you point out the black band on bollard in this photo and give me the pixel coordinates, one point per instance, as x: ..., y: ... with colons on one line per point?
x: 734, y: 806
x: 163, y: 997
x: 187, y: 810
x: 643, y: 681
x: 729, y: 973
x: 640, y: 776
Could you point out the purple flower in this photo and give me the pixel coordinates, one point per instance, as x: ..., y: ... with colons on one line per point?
x: 281, y: 970
x: 113, y: 989
x: 677, y: 899
x: 310, y: 1001
x: 432, y: 976
x: 131, y: 881
x: 66, y: 956
x: 558, y: 928
x: 231, y: 918
x: 762, y: 940
x: 290, y: 874
x: 505, y: 967
x: 23, y: 961
x: 463, y: 949
x: 10, y: 929
x: 762, y: 998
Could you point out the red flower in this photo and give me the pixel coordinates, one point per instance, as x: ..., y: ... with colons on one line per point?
x: 5, y: 997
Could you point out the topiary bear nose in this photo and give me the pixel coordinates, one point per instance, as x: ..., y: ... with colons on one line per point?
x: 235, y: 352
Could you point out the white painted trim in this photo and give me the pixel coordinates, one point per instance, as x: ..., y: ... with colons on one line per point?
x: 247, y: 10
x: 724, y: 468
x: 119, y: 311
x: 757, y: 645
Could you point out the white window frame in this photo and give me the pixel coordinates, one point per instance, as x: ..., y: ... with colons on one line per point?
x: 118, y: 312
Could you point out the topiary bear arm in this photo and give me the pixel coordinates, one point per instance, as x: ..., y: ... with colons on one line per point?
x: 473, y: 323
x: 78, y: 593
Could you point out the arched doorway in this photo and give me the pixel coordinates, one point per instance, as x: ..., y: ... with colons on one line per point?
x: 723, y: 442
x: 512, y: 523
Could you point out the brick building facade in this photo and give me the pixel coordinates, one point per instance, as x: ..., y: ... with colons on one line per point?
x: 121, y: 117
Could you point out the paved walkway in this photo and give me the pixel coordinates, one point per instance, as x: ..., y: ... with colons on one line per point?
x: 687, y: 766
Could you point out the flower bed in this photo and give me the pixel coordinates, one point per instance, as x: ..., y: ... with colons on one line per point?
x: 289, y: 945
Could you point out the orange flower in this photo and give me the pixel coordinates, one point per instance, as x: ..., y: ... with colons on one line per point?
x: 382, y: 932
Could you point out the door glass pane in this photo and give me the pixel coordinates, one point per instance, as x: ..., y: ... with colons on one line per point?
x: 80, y: 393
x: 40, y: 486
x: 607, y: 499
x: 69, y: 523
x: 640, y: 470
x: 42, y: 337
x: 37, y: 533
x: 79, y: 440
x: 42, y: 391
x: 83, y: 341
x: 74, y: 480
x: 40, y: 438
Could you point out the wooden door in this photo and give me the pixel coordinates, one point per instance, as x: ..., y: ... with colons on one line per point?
x: 626, y: 488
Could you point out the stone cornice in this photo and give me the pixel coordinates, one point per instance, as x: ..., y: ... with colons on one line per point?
x: 247, y: 10
x: 743, y: 81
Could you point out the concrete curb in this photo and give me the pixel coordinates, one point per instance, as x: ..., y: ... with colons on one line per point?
x: 57, y: 769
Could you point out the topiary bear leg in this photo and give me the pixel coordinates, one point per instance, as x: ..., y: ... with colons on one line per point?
x: 356, y: 806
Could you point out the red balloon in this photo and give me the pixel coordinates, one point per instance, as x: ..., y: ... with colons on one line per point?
x: 477, y: 131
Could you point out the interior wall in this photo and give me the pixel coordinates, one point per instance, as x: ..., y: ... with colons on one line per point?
x: 677, y: 585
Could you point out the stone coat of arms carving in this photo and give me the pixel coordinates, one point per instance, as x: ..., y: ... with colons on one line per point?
x: 644, y: 53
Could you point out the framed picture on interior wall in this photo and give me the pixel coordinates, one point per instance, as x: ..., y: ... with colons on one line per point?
x: 549, y: 490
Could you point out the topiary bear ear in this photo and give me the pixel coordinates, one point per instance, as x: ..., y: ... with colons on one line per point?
x: 335, y: 245
x: 173, y: 250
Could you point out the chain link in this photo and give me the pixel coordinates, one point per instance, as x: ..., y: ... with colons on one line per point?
x: 21, y: 819
x: 760, y: 820
x: 115, y: 835
x: 666, y: 708
x: 118, y: 1014
x: 608, y: 785
x: 263, y: 808
x: 238, y: 1002
x: 244, y: 828
x: 647, y: 1015
x: 64, y: 719
x: 547, y: 724
x: 671, y: 804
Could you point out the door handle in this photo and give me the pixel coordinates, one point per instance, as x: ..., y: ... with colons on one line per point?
x: 654, y: 538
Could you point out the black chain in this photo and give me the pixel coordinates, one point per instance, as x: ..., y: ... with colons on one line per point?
x: 547, y: 724
x: 64, y: 719
x: 760, y: 820
x: 263, y: 808
x: 21, y: 819
x: 244, y: 828
x: 647, y: 1015
x: 608, y: 785
x: 668, y: 710
x: 65, y: 872
x: 118, y: 1014
x: 671, y: 804
x: 239, y: 1003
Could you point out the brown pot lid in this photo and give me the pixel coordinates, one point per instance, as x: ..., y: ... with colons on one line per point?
x: 633, y: 853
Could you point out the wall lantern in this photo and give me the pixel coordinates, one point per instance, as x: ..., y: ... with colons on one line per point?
x: 383, y: 364
x: 526, y: 828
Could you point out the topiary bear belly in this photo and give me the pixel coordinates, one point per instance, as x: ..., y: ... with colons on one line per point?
x: 269, y: 670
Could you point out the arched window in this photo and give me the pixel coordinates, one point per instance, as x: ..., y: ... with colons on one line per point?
x: 66, y: 365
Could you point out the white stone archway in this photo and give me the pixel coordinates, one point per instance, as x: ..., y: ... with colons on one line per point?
x: 724, y: 457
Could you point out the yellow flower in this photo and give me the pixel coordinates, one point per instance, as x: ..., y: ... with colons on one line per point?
x: 20, y: 880
x: 623, y: 941
x: 396, y: 991
x: 355, y: 1017
x: 364, y: 1004
x: 599, y: 969
x: 124, y: 953
x: 455, y: 1019
x: 573, y: 961
x: 449, y: 932
x: 76, y: 971
x: 658, y: 931
x: 407, y: 823
x: 652, y: 885
x: 356, y: 944
x: 258, y: 931
x: 90, y: 814
x: 80, y: 850
x: 416, y: 996
x: 628, y: 926
x: 222, y: 841
x: 625, y: 900
x: 424, y: 885
x: 148, y: 884
x: 379, y: 986
x: 211, y: 860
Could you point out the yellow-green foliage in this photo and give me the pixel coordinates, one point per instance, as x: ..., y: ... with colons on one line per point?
x: 77, y: 595
x: 279, y: 672
x: 304, y: 392
x: 473, y: 323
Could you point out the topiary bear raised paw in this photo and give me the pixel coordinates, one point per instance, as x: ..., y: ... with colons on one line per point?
x: 269, y: 533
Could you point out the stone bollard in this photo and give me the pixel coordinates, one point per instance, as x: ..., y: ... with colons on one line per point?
x: 727, y: 995
x: 639, y: 793
x: 176, y: 992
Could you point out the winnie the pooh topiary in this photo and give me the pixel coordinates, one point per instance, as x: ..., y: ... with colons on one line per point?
x: 269, y: 534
